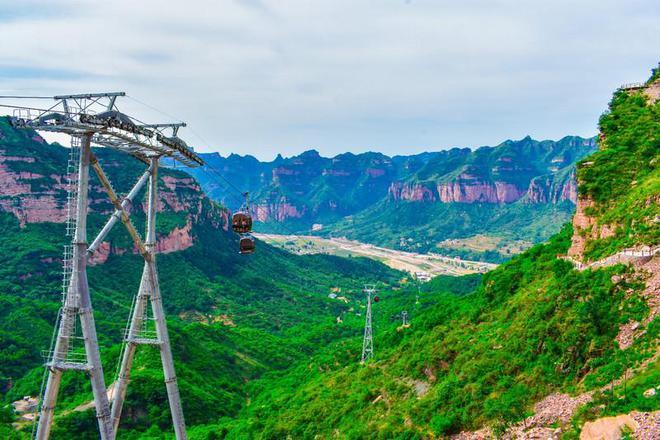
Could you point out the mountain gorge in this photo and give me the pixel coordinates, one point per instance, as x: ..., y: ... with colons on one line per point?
x: 361, y: 196
x: 556, y: 342
x: 559, y: 342
x: 232, y: 318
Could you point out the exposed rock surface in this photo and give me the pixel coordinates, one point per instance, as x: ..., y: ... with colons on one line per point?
x: 311, y: 187
x: 643, y: 425
x: 608, y: 428
x: 40, y: 196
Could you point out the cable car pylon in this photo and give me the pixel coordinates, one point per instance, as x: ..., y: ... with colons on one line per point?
x: 94, y: 118
x: 368, y: 340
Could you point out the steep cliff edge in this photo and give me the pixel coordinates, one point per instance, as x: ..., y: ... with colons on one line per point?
x: 619, y: 202
x: 537, y: 172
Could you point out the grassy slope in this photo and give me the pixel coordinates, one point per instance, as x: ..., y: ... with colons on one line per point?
x: 533, y: 326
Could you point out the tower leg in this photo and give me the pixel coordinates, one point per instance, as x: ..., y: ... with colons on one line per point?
x: 93, y: 356
x: 129, y: 352
x: 150, y: 291
x: 77, y: 301
x: 166, y: 357
x: 159, y: 315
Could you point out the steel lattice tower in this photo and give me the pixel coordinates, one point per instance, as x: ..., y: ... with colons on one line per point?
x: 94, y: 118
x: 368, y: 340
x: 404, y: 317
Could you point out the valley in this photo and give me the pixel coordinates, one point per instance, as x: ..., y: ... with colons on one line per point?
x: 423, y: 266
x: 519, y: 192
x: 539, y: 317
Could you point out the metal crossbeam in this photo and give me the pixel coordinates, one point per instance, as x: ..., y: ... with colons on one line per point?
x: 78, y: 115
x: 118, y: 206
x: 128, y: 200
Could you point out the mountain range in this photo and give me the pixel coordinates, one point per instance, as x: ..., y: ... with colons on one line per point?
x: 561, y: 341
x: 421, y: 202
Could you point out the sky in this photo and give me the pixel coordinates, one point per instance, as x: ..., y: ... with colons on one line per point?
x: 263, y: 77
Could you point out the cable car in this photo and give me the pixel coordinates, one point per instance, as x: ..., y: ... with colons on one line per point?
x: 246, y: 245
x: 241, y: 222
x: 376, y: 299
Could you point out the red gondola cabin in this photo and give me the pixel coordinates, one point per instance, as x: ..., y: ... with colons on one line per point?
x: 246, y: 245
x: 241, y: 223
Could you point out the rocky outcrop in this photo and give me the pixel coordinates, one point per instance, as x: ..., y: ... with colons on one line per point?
x: 412, y: 192
x: 277, y: 211
x: 540, y: 190
x: 468, y: 188
x: 177, y: 240
x: 18, y: 198
x: 585, y: 227
x: 478, y: 192
x: 545, y: 189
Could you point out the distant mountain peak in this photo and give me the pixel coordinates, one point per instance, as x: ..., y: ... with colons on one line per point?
x: 310, y: 153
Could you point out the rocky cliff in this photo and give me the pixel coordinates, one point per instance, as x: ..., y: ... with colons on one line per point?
x: 33, y: 188
x: 309, y: 188
x: 536, y: 172
x: 619, y: 202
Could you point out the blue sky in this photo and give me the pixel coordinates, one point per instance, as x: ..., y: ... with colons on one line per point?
x: 277, y: 76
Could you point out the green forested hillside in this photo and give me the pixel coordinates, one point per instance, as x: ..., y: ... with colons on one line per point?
x: 532, y: 327
x: 232, y: 318
x: 262, y: 352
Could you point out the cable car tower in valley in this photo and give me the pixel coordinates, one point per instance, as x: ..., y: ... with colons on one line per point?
x: 368, y: 340
x: 94, y: 119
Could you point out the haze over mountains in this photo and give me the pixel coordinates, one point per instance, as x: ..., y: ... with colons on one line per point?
x: 516, y: 193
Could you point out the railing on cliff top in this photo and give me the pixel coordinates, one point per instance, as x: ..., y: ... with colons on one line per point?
x: 624, y: 256
x: 632, y: 86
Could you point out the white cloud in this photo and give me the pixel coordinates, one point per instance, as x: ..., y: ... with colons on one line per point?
x: 273, y: 76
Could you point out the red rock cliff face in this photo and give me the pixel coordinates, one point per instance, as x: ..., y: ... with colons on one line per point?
x: 544, y: 190
x: 475, y: 191
x: 46, y: 202
x: 585, y: 227
x: 412, y: 192
x: 540, y: 190
x: 277, y: 211
x: 17, y: 197
x: 456, y: 192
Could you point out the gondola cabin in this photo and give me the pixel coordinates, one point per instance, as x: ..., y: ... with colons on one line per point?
x: 241, y: 222
x: 376, y: 299
x: 246, y: 245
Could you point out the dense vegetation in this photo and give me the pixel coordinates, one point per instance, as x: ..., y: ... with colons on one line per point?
x: 533, y: 326
x: 262, y: 351
x: 623, y: 178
